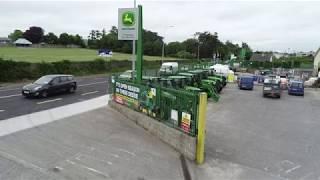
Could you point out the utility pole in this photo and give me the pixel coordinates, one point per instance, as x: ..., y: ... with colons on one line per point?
x: 133, y: 50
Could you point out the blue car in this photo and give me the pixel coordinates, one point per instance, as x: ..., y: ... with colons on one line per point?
x: 296, y: 88
x: 246, y: 82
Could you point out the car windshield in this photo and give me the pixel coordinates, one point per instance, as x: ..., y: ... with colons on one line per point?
x: 296, y: 85
x: 43, y: 80
x: 246, y: 79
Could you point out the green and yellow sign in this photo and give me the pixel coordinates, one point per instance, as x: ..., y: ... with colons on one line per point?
x: 128, y: 18
x: 127, y: 24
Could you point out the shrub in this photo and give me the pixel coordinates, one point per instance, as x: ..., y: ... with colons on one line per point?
x: 14, y: 70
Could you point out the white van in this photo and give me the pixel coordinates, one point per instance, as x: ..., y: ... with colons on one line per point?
x: 169, y: 68
x: 220, y: 69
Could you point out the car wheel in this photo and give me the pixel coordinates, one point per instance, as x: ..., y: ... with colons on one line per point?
x: 72, y: 89
x: 44, y: 94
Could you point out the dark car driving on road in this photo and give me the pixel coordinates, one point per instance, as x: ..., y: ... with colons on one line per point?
x: 271, y: 87
x: 50, y: 84
x: 246, y: 82
x: 296, y: 88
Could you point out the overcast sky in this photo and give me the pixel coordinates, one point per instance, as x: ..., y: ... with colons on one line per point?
x: 264, y: 25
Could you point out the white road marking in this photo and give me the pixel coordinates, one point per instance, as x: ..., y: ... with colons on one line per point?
x: 52, y: 100
x: 89, y: 169
x: 1, y: 90
x: 115, y: 155
x: 92, y: 83
x: 1, y: 110
x: 93, y: 92
x: 14, y: 95
x: 292, y: 169
x: 131, y: 153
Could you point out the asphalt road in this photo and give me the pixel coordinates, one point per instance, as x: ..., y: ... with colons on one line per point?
x: 12, y: 103
x: 277, y: 137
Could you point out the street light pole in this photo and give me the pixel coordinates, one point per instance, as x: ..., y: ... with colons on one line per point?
x: 164, y: 34
x: 196, y: 37
x: 162, y: 52
x: 198, y: 50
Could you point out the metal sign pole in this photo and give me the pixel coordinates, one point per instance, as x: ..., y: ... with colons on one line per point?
x: 133, y: 50
x: 139, y: 64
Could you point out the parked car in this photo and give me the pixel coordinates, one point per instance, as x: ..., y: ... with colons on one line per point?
x: 310, y: 82
x: 296, y: 88
x: 50, y: 84
x: 271, y: 87
x: 283, y: 83
x: 169, y: 68
x: 246, y: 82
x: 127, y: 74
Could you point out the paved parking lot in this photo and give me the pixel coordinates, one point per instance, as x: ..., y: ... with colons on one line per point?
x: 99, y: 144
x: 251, y: 137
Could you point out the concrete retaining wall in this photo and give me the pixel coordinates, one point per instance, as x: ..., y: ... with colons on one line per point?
x: 178, y: 140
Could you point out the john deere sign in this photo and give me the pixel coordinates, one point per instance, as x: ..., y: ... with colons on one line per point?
x: 127, y: 24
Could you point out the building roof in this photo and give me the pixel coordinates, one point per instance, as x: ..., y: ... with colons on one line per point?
x: 4, y: 39
x: 261, y: 57
x: 22, y: 41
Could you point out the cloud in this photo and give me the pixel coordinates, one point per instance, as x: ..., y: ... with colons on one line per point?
x: 271, y: 25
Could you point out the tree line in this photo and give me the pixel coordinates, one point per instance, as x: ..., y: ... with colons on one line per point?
x: 203, y: 45
x: 36, y: 35
x: 209, y: 45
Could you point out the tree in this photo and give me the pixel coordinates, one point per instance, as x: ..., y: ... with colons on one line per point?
x: 64, y: 39
x: 77, y: 40
x: 184, y: 54
x: 173, y: 48
x: 208, y: 44
x: 248, y: 51
x: 34, y: 34
x: 15, y: 35
x: 152, y: 43
x: 190, y: 46
x: 50, y: 38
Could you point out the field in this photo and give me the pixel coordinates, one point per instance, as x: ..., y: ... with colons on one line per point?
x: 58, y: 54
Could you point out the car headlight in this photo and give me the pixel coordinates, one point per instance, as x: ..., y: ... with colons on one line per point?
x: 37, y: 88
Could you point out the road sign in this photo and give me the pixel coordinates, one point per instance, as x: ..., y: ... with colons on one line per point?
x: 128, y: 23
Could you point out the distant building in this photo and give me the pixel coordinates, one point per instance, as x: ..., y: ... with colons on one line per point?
x: 4, y: 41
x: 316, y: 62
x: 279, y: 55
x: 262, y: 57
x: 305, y: 54
x: 21, y: 42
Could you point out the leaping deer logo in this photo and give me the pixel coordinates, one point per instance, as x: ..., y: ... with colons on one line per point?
x: 128, y: 18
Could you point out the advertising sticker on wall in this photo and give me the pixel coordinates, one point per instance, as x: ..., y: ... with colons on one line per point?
x: 186, y: 122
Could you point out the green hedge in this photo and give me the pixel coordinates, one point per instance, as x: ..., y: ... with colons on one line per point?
x: 13, y: 70
x: 277, y: 64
